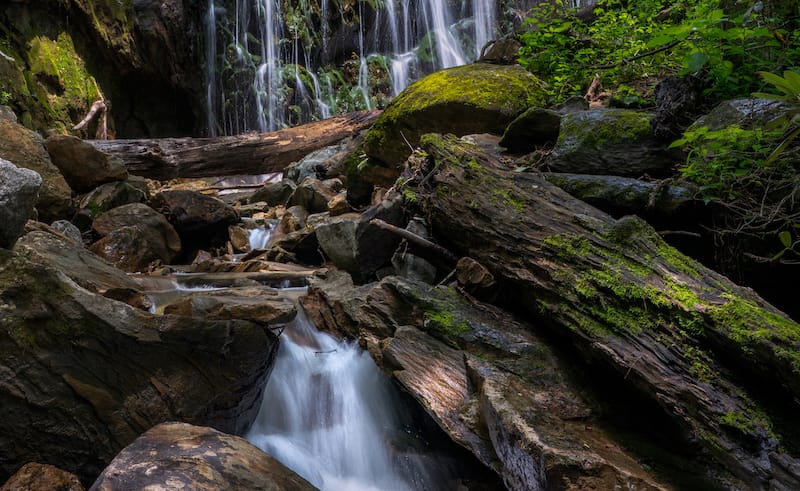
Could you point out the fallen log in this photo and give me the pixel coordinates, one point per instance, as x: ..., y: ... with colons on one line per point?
x: 704, y: 349
x: 247, y: 154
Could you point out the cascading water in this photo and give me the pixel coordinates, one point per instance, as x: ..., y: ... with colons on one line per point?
x: 270, y: 68
x: 330, y: 415
x: 259, y: 237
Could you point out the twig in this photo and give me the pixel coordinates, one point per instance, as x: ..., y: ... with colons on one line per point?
x: 98, y: 105
x: 679, y: 232
x: 643, y: 55
x: 416, y: 240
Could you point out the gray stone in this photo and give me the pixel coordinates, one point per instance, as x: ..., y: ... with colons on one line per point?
x: 745, y: 113
x: 83, y: 166
x: 274, y: 193
x: 7, y: 114
x: 19, y: 189
x: 610, y: 141
x: 108, y: 196
x: 68, y: 229
x: 313, y: 195
x: 316, y: 164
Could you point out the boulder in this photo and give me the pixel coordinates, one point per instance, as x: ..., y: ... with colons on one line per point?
x: 132, y: 236
x: 535, y: 127
x: 338, y: 205
x: 357, y: 246
x: 745, y: 113
x: 274, y: 193
x: 7, y: 114
x: 25, y: 149
x: 88, y: 374
x: 477, y: 98
x: 182, y: 456
x: 259, y: 304
x: 69, y: 230
x: 491, y: 384
x: 313, y: 195
x: 611, y: 142
x: 34, y: 477
x: 293, y: 219
x: 620, y: 196
x: 321, y: 164
x: 108, y: 196
x: 82, y: 165
x: 19, y: 190
x: 201, y: 221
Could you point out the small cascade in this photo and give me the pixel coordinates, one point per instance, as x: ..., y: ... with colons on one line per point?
x: 259, y: 237
x: 330, y: 415
x: 346, y: 56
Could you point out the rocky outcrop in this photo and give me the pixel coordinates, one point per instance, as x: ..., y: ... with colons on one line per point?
x: 34, y: 476
x: 25, y: 149
x: 610, y: 142
x: 83, y: 166
x: 484, y: 377
x: 182, y: 456
x: 19, y: 190
x: 89, y: 374
x: 201, y: 221
x: 680, y: 335
x: 133, y: 236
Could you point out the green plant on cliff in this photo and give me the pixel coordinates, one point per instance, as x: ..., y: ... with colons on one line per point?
x: 643, y: 41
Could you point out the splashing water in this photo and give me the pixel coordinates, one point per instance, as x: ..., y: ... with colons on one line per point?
x: 328, y: 413
x: 259, y: 237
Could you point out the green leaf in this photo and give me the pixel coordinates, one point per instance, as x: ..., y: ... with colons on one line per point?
x: 695, y: 61
x: 785, y: 238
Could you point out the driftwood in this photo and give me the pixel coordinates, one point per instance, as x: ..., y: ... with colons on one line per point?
x: 704, y: 349
x: 252, y: 153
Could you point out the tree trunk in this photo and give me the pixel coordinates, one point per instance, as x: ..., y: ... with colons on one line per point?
x: 701, y: 347
x: 248, y: 154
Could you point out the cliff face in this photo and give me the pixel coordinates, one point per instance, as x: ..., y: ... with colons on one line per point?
x: 142, y: 56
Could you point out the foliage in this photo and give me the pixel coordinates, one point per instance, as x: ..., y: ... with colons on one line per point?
x: 646, y: 40
x: 789, y: 85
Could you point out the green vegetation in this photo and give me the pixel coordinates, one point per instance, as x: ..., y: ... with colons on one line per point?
x: 632, y: 45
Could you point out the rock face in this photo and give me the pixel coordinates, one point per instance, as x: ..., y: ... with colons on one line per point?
x: 676, y: 333
x: 201, y: 221
x: 19, y: 190
x: 25, y: 149
x: 133, y: 236
x: 34, y: 476
x: 492, y: 385
x: 612, y: 142
x: 87, y: 374
x: 83, y: 166
x: 182, y: 456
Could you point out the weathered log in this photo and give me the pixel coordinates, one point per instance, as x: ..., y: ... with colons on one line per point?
x: 251, y: 153
x: 701, y: 347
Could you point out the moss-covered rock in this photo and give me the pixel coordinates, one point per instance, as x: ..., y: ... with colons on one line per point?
x: 477, y: 98
x: 610, y: 141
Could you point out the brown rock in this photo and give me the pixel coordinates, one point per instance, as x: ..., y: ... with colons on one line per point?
x: 256, y: 303
x: 338, y: 205
x: 182, y: 456
x: 40, y: 477
x: 201, y: 221
x: 83, y: 166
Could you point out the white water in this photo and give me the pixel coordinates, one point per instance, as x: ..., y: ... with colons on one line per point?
x: 266, y: 101
x: 328, y: 413
x: 259, y: 237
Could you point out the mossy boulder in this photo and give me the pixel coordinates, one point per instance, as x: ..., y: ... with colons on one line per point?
x: 610, y: 141
x: 536, y: 126
x: 477, y: 98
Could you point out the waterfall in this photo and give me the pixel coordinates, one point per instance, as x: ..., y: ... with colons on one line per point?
x: 330, y: 415
x: 259, y: 237
x: 250, y: 45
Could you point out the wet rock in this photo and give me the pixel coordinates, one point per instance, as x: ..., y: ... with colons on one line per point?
x: 293, y: 220
x: 133, y: 236
x: 259, y: 304
x: 240, y: 238
x: 320, y: 164
x: 338, y: 205
x: 25, y: 149
x: 108, y: 196
x: 19, y: 190
x: 201, y: 221
x: 35, y: 477
x: 274, y: 193
x: 69, y: 230
x: 611, y: 142
x: 95, y: 373
x: 535, y: 127
x: 182, y: 456
x: 83, y: 166
x: 313, y: 195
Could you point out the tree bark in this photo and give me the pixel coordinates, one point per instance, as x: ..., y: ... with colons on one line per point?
x: 248, y: 154
x: 679, y: 333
